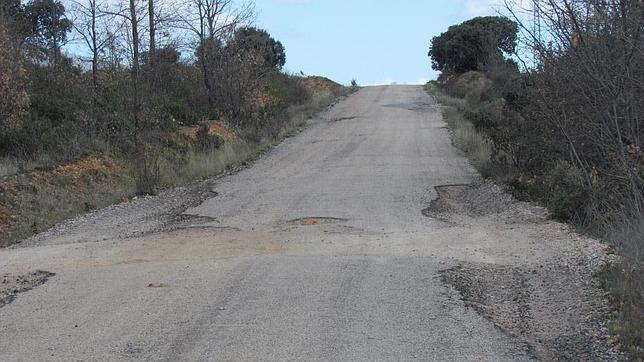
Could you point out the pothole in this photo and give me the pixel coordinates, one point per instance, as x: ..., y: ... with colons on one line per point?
x: 212, y: 228
x: 338, y: 119
x: 443, y: 206
x: 478, y: 199
x: 309, y: 221
x: 12, y: 285
x: 547, y: 307
x: 187, y: 221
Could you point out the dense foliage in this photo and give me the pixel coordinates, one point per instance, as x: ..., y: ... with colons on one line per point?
x: 473, y: 44
x: 258, y: 40
x: 125, y: 86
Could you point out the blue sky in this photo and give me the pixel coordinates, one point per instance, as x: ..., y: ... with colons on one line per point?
x: 374, y: 41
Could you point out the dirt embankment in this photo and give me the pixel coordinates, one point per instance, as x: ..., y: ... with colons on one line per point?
x: 33, y: 201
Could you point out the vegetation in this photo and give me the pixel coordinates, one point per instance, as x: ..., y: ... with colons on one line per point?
x: 103, y: 100
x: 477, y: 146
x: 566, y: 130
x: 473, y: 44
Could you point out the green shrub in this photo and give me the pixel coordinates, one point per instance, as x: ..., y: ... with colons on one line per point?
x: 565, y: 191
x: 288, y: 89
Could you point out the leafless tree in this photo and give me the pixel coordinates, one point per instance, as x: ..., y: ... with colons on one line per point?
x: 209, y: 22
x: 132, y: 12
x: 589, y: 73
x: 92, y: 23
x: 161, y: 15
x: 152, y: 26
x: 239, y: 82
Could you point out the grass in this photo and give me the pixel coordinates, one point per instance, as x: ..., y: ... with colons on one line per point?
x: 33, y: 201
x: 10, y: 166
x: 476, y: 145
x: 624, y: 280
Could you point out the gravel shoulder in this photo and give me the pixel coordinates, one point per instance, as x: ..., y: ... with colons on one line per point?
x: 551, y: 300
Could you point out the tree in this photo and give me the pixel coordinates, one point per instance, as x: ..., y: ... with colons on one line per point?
x: 241, y: 77
x: 91, y: 23
x: 588, y: 85
x: 211, y: 22
x: 49, y: 26
x: 12, y: 14
x: 162, y: 15
x: 473, y: 44
x: 258, y: 40
x: 152, y: 29
x: 130, y: 12
x: 14, y: 100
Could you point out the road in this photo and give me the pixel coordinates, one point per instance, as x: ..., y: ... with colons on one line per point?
x: 317, y: 251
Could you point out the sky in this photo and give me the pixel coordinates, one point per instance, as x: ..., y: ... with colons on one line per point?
x: 373, y: 41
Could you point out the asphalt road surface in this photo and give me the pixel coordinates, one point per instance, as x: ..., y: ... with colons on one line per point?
x: 317, y: 251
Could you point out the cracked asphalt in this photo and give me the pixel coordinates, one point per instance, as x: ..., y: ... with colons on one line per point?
x: 317, y: 251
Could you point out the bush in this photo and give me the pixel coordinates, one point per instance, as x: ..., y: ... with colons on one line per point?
x: 147, y: 172
x: 565, y: 192
x: 570, y: 126
x: 288, y: 90
x: 473, y: 82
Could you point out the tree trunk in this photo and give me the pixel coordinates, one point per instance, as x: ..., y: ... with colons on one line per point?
x: 94, y: 48
x: 153, y: 30
x: 135, y: 62
x: 206, y: 74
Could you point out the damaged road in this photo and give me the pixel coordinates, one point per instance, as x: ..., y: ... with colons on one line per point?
x: 364, y: 237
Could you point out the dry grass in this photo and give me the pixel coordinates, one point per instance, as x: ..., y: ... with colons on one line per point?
x: 33, y: 201
x: 625, y: 282
x: 317, y: 83
x: 8, y: 167
x: 477, y: 147
x: 200, y: 165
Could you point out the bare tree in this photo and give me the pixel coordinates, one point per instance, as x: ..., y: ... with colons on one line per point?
x: 14, y: 100
x: 91, y: 23
x: 210, y: 21
x: 589, y: 61
x: 131, y: 12
x: 152, y: 28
